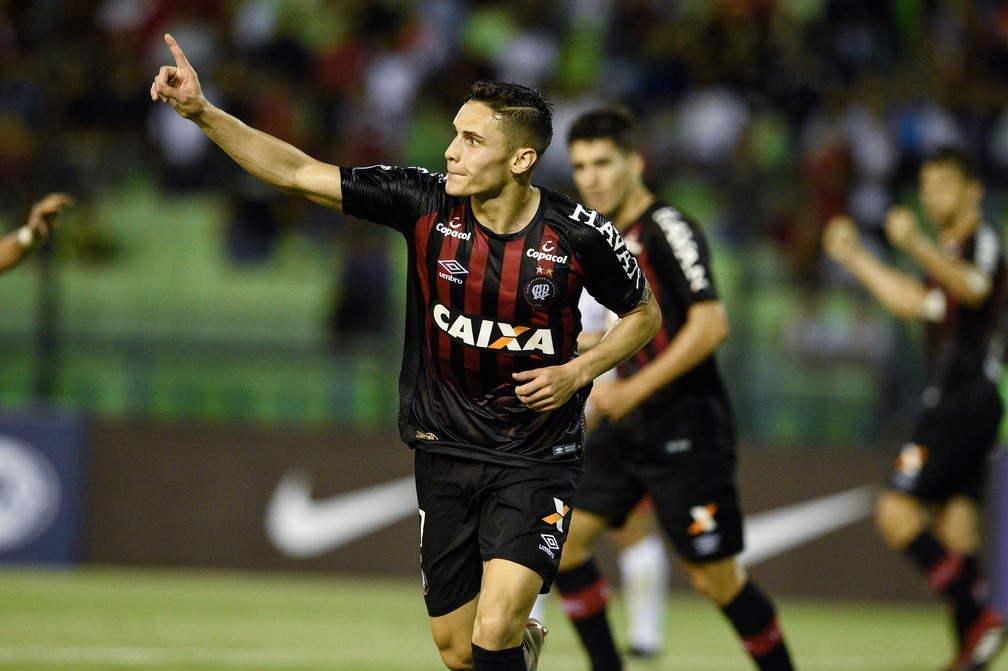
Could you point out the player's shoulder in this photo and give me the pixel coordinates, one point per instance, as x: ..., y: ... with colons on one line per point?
x: 574, y: 220
x: 668, y: 222
x: 665, y: 215
x: 408, y: 175
x: 989, y: 233
x: 988, y: 246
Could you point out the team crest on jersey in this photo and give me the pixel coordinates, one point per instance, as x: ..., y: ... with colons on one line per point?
x: 475, y: 331
x: 540, y: 291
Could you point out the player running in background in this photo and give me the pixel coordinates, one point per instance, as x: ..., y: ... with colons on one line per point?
x: 931, y: 509
x: 667, y: 427
x: 641, y: 556
x: 17, y: 246
x: 492, y: 390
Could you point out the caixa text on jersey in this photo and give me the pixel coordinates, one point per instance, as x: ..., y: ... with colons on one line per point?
x: 475, y: 331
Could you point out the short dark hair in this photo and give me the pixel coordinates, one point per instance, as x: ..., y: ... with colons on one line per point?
x: 956, y: 158
x: 615, y: 123
x: 525, y: 113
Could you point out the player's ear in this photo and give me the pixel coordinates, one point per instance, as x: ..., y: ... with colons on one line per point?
x: 637, y: 163
x: 523, y: 159
x: 976, y: 190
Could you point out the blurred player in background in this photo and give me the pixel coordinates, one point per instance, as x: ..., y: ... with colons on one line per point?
x: 667, y: 429
x: 17, y: 246
x: 931, y: 510
x: 642, y: 559
x: 492, y: 391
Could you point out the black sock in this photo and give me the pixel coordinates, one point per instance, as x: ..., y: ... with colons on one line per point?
x: 512, y: 659
x: 950, y: 574
x: 584, y: 594
x: 755, y: 619
x: 973, y: 600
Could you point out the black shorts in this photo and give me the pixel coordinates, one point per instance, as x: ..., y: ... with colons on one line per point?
x: 950, y: 447
x: 691, y: 480
x: 472, y: 511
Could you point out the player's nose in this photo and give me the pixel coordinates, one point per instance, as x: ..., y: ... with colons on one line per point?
x: 451, y: 152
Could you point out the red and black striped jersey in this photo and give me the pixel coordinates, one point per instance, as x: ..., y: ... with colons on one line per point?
x: 481, y: 306
x: 968, y: 343
x: 675, y: 257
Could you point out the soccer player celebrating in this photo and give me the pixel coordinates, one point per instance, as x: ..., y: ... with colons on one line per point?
x: 667, y: 429
x: 491, y: 388
x: 930, y: 510
x: 17, y: 246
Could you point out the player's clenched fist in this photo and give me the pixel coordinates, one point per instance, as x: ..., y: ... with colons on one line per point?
x: 901, y: 227
x: 178, y: 84
x: 841, y: 238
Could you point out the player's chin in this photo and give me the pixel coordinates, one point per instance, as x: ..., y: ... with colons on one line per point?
x: 455, y: 185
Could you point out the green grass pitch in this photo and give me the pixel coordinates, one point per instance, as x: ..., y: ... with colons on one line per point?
x: 101, y: 618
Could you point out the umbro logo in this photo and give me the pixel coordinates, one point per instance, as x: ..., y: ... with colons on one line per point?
x: 451, y: 269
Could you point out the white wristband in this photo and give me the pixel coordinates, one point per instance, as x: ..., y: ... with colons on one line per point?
x: 26, y: 236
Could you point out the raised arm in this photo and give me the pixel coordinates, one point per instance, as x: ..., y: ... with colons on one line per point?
x: 903, y: 295
x: 279, y: 164
x: 17, y: 246
x: 960, y: 278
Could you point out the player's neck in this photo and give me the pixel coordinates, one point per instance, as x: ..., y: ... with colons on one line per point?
x: 635, y: 205
x: 508, y: 212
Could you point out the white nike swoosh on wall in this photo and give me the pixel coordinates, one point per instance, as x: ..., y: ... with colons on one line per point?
x: 776, y: 531
x: 303, y: 527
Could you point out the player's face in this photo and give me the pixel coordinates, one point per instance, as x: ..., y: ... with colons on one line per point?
x: 944, y: 192
x: 478, y: 157
x: 604, y: 174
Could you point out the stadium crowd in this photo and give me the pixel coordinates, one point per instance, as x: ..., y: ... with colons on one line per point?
x: 778, y: 113
x: 841, y: 97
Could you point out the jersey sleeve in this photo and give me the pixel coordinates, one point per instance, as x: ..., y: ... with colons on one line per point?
x: 612, y: 275
x: 987, y: 251
x: 389, y: 195
x: 683, y: 258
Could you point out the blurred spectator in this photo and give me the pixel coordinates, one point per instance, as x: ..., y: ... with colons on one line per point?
x: 783, y: 112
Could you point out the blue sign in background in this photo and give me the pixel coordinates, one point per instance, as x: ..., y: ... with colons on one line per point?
x: 42, y: 487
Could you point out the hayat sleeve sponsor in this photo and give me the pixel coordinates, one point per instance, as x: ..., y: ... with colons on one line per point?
x: 612, y: 275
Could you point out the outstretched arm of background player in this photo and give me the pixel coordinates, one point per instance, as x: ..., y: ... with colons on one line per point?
x: 17, y: 246
x: 901, y: 294
x: 545, y: 389
x: 279, y: 164
x: 961, y: 279
x: 705, y: 329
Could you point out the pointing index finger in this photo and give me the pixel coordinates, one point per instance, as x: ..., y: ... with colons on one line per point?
x: 180, y: 58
